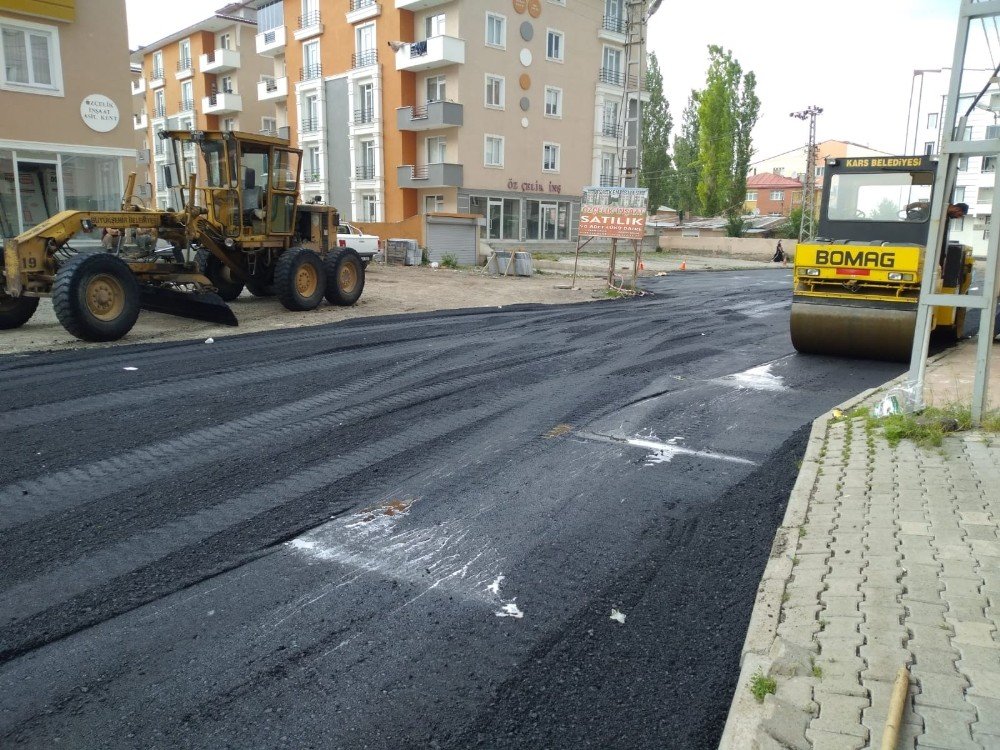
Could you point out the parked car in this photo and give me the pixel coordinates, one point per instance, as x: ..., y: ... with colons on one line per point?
x: 365, y: 245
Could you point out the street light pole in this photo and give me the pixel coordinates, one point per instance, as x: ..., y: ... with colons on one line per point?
x: 806, y: 227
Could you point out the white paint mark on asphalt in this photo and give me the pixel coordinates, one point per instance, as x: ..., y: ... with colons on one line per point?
x: 757, y: 378
x: 618, y: 616
x: 661, y: 452
x: 494, y: 588
x: 510, y: 610
x: 130, y: 369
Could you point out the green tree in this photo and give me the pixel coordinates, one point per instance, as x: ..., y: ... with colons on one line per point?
x: 684, y: 186
x: 735, y: 225
x: 887, y: 210
x: 728, y: 108
x: 790, y: 229
x: 656, y: 172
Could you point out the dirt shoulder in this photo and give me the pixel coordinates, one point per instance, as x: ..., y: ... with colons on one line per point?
x: 389, y: 290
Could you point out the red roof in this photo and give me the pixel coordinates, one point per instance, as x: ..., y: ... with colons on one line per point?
x: 769, y: 180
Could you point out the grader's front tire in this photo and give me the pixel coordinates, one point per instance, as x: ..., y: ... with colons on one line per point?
x: 345, y: 277
x: 16, y: 311
x: 96, y: 297
x: 220, y: 275
x: 299, y: 279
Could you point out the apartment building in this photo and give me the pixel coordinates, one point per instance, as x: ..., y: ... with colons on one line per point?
x: 65, y: 136
x: 203, y: 77
x: 501, y: 108
x: 974, y: 184
x: 772, y: 194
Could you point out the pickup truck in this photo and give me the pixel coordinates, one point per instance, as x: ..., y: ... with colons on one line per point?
x: 366, y: 245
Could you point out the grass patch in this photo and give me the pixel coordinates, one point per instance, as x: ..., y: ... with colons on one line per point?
x: 545, y: 256
x: 761, y: 686
x: 615, y: 293
x: 817, y: 671
x: 449, y: 261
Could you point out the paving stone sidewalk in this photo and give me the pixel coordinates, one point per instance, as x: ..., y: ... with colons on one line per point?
x: 887, y: 556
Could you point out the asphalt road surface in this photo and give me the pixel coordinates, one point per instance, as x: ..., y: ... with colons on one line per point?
x: 404, y: 532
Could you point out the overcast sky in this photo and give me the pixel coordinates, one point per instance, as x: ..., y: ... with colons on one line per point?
x: 853, y: 58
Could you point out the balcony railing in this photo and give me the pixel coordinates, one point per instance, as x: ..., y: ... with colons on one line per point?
x: 364, y: 172
x: 359, y: 4
x: 271, y: 42
x: 311, y: 176
x: 310, y: 71
x: 309, y: 125
x: 183, y: 64
x: 186, y: 104
x: 364, y: 59
x: 157, y: 74
x: 307, y: 20
x: 607, y: 180
x: 613, y: 23
x: 160, y: 110
x: 611, y: 130
x: 364, y: 116
x: 615, y: 77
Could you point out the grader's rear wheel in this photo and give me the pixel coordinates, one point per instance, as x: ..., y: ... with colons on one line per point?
x: 299, y: 279
x: 345, y: 273
x: 16, y: 311
x: 96, y: 297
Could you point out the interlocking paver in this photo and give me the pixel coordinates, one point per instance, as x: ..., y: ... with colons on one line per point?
x: 942, y: 690
x: 946, y: 729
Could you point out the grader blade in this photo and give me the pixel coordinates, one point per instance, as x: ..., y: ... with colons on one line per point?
x: 206, y: 306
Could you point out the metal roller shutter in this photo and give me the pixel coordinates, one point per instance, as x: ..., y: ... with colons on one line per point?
x: 452, y: 236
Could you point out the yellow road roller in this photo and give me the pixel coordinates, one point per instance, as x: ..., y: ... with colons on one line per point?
x: 856, y: 286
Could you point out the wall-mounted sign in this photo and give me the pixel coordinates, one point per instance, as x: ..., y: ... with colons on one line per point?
x: 614, y: 212
x: 99, y: 112
x: 533, y: 187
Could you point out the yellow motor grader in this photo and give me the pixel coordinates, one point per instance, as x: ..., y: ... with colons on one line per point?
x: 241, y: 227
x: 856, y: 286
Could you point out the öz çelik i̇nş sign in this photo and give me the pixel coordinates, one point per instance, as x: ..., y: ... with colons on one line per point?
x: 614, y: 212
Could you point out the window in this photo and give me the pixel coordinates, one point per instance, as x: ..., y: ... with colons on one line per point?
x: 496, y: 30
x: 493, y: 154
x: 433, y: 204
x: 436, y: 149
x: 989, y: 164
x: 270, y: 16
x: 310, y: 61
x: 959, y: 195
x: 369, y: 207
x: 229, y: 123
x: 365, y: 106
x: 226, y: 85
x: 503, y: 216
x: 967, y: 134
x: 553, y: 102
x: 932, y: 120
x: 187, y: 96
x: 434, y: 25
x: 436, y: 89
x: 184, y: 57
x: 956, y: 225
x: 157, y: 65
x: 550, y: 157
x: 608, y: 176
x: 31, y: 58
x: 224, y: 41
x: 609, y: 119
x: 611, y: 67
x: 777, y: 195
x: 366, y: 161
x: 963, y: 164
x: 554, y: 45
x: 312, y: 170
x: 159, y: 103
x: 310, y: 114
x: 494, y: 91
x: 268, y: 125
x: 751, y: 196
x: 985, y: 195
x: 929, y: 148
x: 992, y: 131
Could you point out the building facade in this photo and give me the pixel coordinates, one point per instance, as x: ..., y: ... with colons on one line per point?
x: 504, y: 109
x: 974, y: 184
x: 205, y: 77
x: 770, y: 194
x: 66, y: 139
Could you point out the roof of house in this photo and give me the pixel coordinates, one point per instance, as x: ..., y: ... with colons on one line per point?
x: 770, y: 180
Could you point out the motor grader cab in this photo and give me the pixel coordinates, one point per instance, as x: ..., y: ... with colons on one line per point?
x: 239, y: 227
x: 856, y: 286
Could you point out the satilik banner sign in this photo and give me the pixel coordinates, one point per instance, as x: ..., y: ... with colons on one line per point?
x: 618, y: 212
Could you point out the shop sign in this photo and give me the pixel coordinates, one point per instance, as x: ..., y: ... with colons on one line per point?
x: 534, y: 187
x: 99, y: 112
x: 614, y: 212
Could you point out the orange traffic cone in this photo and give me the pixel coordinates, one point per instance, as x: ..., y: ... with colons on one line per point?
x: 684, y: 265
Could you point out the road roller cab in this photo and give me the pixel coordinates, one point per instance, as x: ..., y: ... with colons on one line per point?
x: 856, y: 286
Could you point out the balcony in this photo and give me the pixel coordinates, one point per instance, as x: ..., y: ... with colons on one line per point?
x: 310, y: 125
x: 612, y: 29
x: 219, y: 61
x: 310, y: 25
x: 271, y: 43
x: 430, y: 116
x: 138, y: 86
x: 611, y: 130
x: 272, y: 88
x: 364, y: 59
x: 435, y: 52
x: 615, y: 77
x: 156, y: 78
x: 362, y: 10
x: 311, y: 176
x: 140, y: 121
x: 159, y: 111
x: 185, y: 68
x: 364, y: 116
x: 418, y: 4
x: 310, y: 72
x: 222, y: 103
x: 185, y: 105
x: 364, y: 172
x: 607, y: 180
x: 429, y: 175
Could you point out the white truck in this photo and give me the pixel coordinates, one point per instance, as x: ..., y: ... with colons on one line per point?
x: 365, y: 245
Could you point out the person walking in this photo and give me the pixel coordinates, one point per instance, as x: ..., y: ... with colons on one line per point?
x: 779, y: 256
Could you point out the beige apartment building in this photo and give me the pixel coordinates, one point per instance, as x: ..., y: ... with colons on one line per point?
x: 66, y: 139
x: 504, y: 109
x: 203, y: 77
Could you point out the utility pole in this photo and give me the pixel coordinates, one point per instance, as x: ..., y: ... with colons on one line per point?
x: 807, y: 227
x: 630, y: 145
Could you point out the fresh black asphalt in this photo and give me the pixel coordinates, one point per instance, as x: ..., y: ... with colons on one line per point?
x: 404, y: 532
